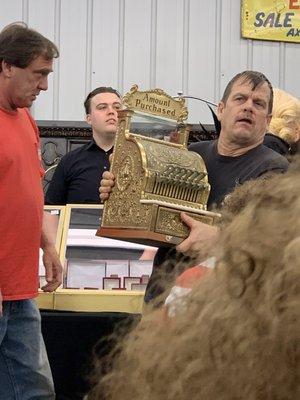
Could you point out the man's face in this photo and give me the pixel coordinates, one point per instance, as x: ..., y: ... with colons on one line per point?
x: 244, y: 117
x: 103, y: 116
x: 25, y: 84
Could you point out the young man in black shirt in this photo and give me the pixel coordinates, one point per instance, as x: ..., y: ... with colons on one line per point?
x: 77, y: 176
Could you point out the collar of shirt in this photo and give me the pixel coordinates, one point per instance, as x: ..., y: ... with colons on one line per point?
x: 93, y: 146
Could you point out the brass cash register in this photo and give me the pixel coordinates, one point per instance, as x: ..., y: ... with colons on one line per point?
x: 156, y: 177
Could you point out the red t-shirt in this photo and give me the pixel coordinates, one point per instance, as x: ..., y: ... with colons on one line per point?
x: 21, y: 205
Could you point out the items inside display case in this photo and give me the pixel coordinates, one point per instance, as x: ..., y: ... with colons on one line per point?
x: 90, y: 261
x: 95, y: 262
x: 107, y: 274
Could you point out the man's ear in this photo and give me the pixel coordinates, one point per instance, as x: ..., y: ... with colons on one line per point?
x: 220, y: 109
x: 269, y: 117
x: 88, y: 119
x: 6, y: 69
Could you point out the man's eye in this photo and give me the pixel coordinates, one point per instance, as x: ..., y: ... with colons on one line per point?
x: 259, y: 104
x: 42, y: 73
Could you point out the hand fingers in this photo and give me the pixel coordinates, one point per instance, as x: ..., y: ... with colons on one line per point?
x: 48, y: 270
x: 106, y: 184
x: 187, y: 248
x: 105, y: 188
x: 51, y: 286
x: 104, y: 196
x: 104, y: 192
x: 53, y: 267
x: 55, y: 281
x: 57, y: 274
x: 184, y: 246
x: 108, y: 175
x: 189, y: 221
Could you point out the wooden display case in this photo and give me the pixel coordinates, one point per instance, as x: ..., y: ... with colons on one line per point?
x: 81, y: 251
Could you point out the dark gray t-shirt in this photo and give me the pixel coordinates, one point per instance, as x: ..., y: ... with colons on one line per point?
x: 225, y: 173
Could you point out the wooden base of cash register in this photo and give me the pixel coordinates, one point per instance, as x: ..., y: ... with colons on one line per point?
x: 167, y: 228
x: 147, y: 238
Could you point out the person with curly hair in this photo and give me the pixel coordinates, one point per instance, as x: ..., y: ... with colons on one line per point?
x: 239, y: 334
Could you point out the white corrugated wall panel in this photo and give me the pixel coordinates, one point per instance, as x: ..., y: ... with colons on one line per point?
x: 72, y: 66
x: 234, y: 51
x: 11, y: 11
x: 202, y: 63
x: 41, y: 16
x: 264, y: 54
x: 169, y: 45
x: 137, y: 34
x: 292, y: 69
x: 194, y: 46
x: 105, y: 45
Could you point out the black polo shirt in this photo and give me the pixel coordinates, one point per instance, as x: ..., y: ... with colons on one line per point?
x: 77, y: 177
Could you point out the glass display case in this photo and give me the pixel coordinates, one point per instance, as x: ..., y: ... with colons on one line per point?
x: 100, y: 274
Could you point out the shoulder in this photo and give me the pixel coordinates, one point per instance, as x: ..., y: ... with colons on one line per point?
x: 267, y: 154
x: 269, y: 160
x: 175, y: 302
x: 191, y: 276
x: 74, y: 154
x: 26, y: 112
x: 202, y: 147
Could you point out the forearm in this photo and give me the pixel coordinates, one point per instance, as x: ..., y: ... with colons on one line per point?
x: 49, y: 230
x: 51, y: 260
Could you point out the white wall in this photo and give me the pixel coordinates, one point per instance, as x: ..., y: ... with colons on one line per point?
x: 194, y: 46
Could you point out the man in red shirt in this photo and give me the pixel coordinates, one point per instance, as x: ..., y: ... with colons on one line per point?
x: 26, y: 59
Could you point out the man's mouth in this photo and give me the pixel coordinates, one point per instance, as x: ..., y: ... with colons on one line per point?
x: 245, y: 121
x: 111, y: 121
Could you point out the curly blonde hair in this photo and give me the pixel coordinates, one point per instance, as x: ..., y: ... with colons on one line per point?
x: 239, y: 337
x: 285, y: 121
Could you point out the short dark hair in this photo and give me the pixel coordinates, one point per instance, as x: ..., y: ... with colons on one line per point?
x: 20, y: 45
x: 255, y: 78
x: 101, y: 89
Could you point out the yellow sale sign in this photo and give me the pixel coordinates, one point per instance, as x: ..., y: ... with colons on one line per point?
x: 271, y: 20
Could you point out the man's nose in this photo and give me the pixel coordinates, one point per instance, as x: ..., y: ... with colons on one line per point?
x: 248, y: 105
x: 112, y: 110
x: 43, y: 83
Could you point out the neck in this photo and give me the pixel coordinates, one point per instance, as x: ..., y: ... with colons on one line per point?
x: 231, y: 149
x: 105, y: 142
x: 4, y: 101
